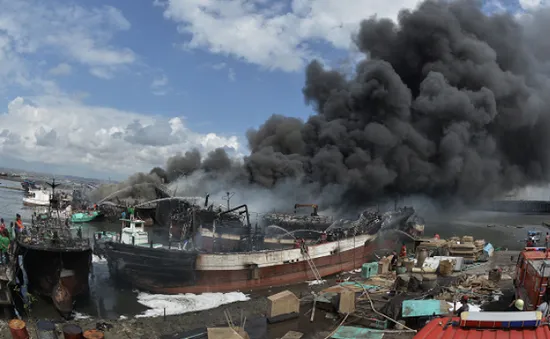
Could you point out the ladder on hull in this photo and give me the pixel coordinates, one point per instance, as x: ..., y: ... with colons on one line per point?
x: 312, y: 266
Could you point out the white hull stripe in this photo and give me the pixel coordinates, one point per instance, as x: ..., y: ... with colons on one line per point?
x: 240, y: 261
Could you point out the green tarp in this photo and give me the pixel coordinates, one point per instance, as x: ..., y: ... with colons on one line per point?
x: 351, y: 332
x: 424, y: 308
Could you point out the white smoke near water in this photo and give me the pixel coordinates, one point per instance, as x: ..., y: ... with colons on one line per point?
x: 530, y: 193
x: 284, y: 196
x: 258, y: 199
x: 185, y: 303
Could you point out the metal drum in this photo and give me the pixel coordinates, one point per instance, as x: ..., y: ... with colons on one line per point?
x: 93, y: 334
x: 45, y: 330
x: 18, y: 329
x: 71, y: 331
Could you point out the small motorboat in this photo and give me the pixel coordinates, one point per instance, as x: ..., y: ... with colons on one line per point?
x: 82, y: 217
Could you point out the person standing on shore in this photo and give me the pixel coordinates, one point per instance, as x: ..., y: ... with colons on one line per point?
x: 465, y: 307
x: 4, y: 246
x: 2, y: 225
x: 516, y: 305
x: 19, y: 227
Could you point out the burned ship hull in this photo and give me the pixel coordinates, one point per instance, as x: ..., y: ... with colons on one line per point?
x: 195, y: 266
x: 164, y: 266
x: 175, y: 271
x: 404, y: 220
x: 49, y: 267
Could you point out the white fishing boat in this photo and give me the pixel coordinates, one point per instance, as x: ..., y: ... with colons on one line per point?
x: 37, y: 198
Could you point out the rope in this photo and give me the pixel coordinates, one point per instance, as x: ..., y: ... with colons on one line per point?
x: 337, y: 327
x: 366, y: 292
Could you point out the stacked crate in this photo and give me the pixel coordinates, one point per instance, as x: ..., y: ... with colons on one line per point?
x: 465, y: 249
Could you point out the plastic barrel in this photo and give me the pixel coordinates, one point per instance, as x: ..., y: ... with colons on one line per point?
x: 71, y: 331
x: 18, y: 329
x: 45, y: 330
x: 93, y: 334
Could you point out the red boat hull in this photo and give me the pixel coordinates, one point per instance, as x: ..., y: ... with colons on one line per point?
x: 264, y: 277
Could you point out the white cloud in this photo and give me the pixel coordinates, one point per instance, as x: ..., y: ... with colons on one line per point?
x: 61, y: 130
x: 530, y: 4
x: 61, y: 69
x: 159, y: 86
x: 269, y: 34
x: 101, y: 72
x: 231, y: 74
x: 160, y: 82
x: 218, y: 66
x: 81, y: 35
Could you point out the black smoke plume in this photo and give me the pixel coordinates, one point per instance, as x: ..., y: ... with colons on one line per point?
x: 449, y: 103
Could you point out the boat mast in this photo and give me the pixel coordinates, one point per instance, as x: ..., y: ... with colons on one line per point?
x: 247, y: 215
x: 53, y: 200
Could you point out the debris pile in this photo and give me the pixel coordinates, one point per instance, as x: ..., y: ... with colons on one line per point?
x: 402, y: 294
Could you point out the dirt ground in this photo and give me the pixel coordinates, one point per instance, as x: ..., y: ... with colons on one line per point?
x: 320, y: 328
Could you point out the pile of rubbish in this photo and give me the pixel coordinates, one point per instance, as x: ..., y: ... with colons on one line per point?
x: 402, y: 295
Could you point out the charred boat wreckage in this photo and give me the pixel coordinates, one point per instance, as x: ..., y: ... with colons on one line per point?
x: 299, y: 221
x: 207, y: 259
x: 56, y: 258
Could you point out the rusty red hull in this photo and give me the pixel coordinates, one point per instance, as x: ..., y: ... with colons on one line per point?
x: 265, y: 277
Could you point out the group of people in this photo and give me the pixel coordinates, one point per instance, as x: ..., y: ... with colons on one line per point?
x: 532, y: 242
x: 515, y: 306
x: 7, y: 235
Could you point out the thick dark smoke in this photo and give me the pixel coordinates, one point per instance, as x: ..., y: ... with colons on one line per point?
x: 449, y: 103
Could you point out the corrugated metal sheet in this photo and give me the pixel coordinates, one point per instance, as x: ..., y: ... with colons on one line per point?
x: 437, y: 329
x: 422, y: 308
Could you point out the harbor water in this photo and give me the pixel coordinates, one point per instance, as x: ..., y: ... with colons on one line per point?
x: 111, y: 302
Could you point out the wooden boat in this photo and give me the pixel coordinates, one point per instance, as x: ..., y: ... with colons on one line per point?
x: 82, y: 217
x: 189, y: 268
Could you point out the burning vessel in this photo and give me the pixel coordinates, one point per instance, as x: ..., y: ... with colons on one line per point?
x: 298, y: 221
x: 403, y: 220
x: 194, y: 266
x: 56, y: 261
x: 228, y: 235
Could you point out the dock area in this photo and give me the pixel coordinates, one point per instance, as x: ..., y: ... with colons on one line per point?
x: 355, y: 304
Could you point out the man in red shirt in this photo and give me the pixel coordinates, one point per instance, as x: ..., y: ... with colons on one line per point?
x: 403, y: 252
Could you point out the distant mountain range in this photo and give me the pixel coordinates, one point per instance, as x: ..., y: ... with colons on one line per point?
x: 14, y: 164
x: 40, y: 176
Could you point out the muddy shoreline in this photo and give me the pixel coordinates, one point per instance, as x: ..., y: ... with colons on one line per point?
x: 156, y: 327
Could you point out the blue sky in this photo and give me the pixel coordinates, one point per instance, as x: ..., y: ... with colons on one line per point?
x: 75, y: 75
